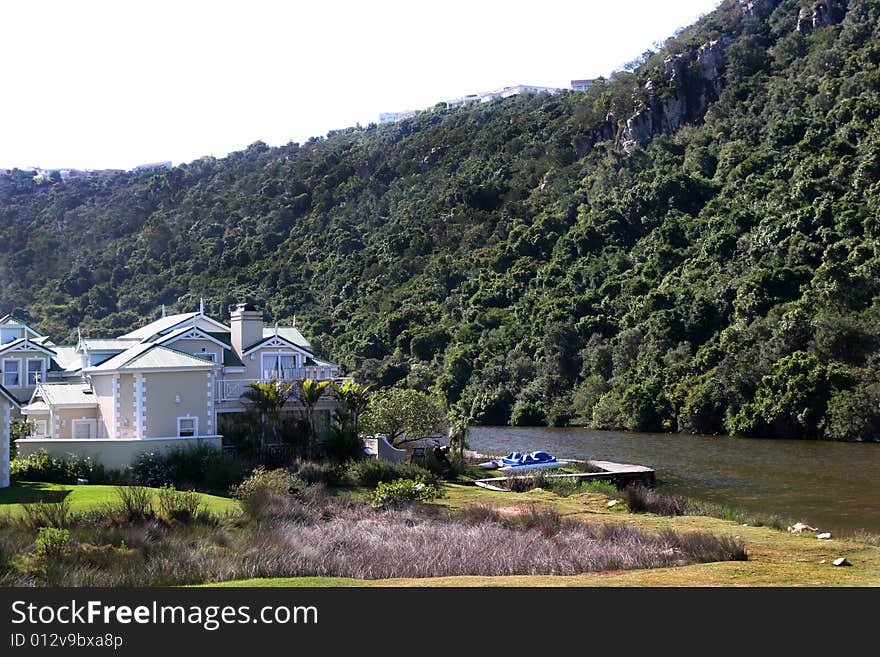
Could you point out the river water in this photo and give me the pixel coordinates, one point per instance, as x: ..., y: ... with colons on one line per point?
x: 829, y: 485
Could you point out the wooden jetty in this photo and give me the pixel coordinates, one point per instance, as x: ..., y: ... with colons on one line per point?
x: 620, y: 474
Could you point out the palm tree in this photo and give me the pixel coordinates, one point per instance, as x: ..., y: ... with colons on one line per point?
x: 310, y: 392
x: 354, y: 399
x: 268, y: 398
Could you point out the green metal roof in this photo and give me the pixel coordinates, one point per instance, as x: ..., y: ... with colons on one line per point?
x: 146, y: 355
x: 290, y: 334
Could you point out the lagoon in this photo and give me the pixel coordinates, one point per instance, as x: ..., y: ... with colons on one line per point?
x: 830, y: 485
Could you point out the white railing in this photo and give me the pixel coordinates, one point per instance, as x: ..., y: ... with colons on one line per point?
x: 232, y: 389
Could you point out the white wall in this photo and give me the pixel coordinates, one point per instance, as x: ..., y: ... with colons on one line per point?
x: 112, y: 454
x: 4, y: 442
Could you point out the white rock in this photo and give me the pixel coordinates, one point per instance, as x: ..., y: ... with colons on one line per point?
x: 841, y: 561
x: 611, y: 503
x: 824, y: 535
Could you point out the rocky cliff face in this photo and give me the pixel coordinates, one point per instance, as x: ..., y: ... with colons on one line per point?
x: 694, y: 79
x: 820, y: 14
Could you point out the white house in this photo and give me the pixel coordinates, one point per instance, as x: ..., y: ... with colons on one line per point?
x: 7, y: 402
x: 162, y: 385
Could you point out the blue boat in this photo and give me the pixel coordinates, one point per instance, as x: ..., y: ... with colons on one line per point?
x: 515, y: 461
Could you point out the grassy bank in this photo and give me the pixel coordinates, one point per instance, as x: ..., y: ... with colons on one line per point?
x: 83, y: 499
x: 467, y: 537
x: 776, y: 558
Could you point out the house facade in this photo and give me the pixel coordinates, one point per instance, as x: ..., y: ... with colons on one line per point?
x: 163, y: 385
x: 7, y: 403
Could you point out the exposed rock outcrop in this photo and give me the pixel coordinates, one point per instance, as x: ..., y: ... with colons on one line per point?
x: 693, y: 80
x: 820, y: 14
x: 758, y: 8
x: 607, y: 130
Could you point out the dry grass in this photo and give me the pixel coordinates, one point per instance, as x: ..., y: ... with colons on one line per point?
x: 311, y: 534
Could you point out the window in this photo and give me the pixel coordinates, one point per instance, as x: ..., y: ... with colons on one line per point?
x: 12, y: 373
x: 35, y: 373
x: 279, y: 366
x: 210, y: 355
x: 39, y: 430
x: 9, y: 334
x: 83, y: 429
x: 187, y: 426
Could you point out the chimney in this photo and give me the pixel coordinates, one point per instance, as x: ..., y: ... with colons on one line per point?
x: 246, y: 323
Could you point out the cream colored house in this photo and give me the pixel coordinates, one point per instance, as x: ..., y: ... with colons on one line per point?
x: 163, y: 385
x: 7, y: 402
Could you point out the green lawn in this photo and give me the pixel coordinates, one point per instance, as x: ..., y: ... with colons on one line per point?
x: 84, y: 498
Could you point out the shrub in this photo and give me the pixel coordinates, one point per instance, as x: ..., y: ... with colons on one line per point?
x: 451, y: 469
x: 51, y: 543
x: 565, y: 486
x: 524, y: 483
x: 48, y: 514
x: 177, y: 504
x: 343, y: 444
x: 640, y: 499
x: 322, y: 473
x: 546, y: 521
x: 40, y: 466
x: 403, y: 491
x: 135, y: 502
x: 370, y: 472
x: 260, y: 492
x: 199, y: 466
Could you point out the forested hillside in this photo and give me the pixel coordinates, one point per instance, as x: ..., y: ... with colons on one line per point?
x: 691, y: 245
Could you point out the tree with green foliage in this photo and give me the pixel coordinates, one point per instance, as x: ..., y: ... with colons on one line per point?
x: 267, y: 398
x: 310, y: 393
x: 404, y: 415
x: 354, y: 397
x: 514, y: 257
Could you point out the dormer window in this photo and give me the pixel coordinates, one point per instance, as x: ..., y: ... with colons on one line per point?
x: 9, y: 334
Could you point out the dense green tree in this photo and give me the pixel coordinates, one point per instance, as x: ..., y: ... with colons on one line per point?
x: 514, y: 256
x: 403, y: 415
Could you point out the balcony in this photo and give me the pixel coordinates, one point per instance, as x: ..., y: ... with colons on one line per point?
x: 229, y: 390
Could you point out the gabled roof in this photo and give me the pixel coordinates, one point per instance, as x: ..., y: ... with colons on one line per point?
x: 24, y: 344
x: 290, y: 334
x: 147, y: 356
x: 66, y: 359
x: 9, y: 319
x: 117, y: 344
x: 230, y: 358
x: 189, y: 332
x: 278, y: 341
x: 8, y: 395
x: 35, y: 407
x: 65, y: 394
x: 171, y: 322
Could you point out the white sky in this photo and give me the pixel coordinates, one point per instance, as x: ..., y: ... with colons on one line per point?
x: 114, y: 84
